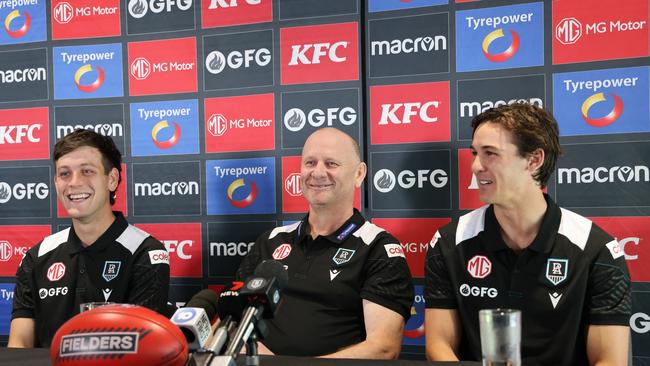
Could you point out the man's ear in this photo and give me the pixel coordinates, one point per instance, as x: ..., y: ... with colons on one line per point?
x: 360, y: 174
x: 113, y: 179
x: 535, y: 160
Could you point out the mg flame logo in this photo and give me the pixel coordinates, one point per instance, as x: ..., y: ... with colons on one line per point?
x: 607, y: 120
x: 63, y: 13
x: 479, y: 266
x: 20, y: 31
x: 294, y: 119
x: 217, y: 125
x: 384, y: 180
x: 568, y: 31
x: 140, y: 68
x: 215, y: 62
x: 505, y: 55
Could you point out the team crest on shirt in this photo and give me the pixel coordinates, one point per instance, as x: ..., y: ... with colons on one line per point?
x: 342, y: 256
x: 556, y: 270
x: 111, y: 270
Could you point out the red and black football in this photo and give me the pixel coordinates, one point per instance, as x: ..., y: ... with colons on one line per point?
x: 119, y: 335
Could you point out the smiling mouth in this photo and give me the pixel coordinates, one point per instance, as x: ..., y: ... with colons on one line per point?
x: 484, y: 182
x: 319, y: 186
x: 77, y: 197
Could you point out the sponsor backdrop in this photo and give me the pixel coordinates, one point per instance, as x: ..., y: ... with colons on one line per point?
x: 211, y: 100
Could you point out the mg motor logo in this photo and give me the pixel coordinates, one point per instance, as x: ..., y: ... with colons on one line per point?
x: 568, y: 31
x: 15, y: 241
x: 217, y: 125
x: 479, y: 266
x: 63, y: 13
x: 293, y: 185
x: 5, y: 251
x: 140, y: 68
x: 56, y: 271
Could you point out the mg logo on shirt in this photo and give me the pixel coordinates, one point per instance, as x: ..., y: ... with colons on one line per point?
x: 479, y: 266
x: 56, y: 271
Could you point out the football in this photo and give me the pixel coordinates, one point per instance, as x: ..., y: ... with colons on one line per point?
x: 119, y: 334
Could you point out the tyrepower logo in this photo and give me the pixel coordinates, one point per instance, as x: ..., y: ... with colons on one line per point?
x: 409, y: 113
x: 183, y: 243
x: 633, y: 236
x: 587, y: 33
x: 162, y: 67
x: 23, y: 75
x: 84, y: 19
x: 23, y: 21
x: 120, y: 198
x: 15, y: 241
x: 155, y: 16
x: 88, y: 71
x: 24, y: 134
x: 410, y: 180
x: 223, y: 13
x: 602, y: 101
x: 165, y: 128
x: 228, y: 127
x: 420, y: 41
x: 479, y: 95
x: 415, y: 235
x: 106, y: 120
x: 25, y: 192
x: 305, y: 112
x: 229, y: 242
x: 166, y: 189
x: 293, y: 200
x: 240, y: 186
x: 319, y: 53
x: 500, y: 37
x: 619, y: 177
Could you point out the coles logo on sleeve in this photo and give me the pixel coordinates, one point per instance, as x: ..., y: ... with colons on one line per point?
x: 15, y: 241
x: 500, y: 38
x: 414, y: 235
x: 632, y: 234
x: 183, y: 243
x: 165, y: 128
x: 120, y: 199
x: 93, y: 71
x: 23, y: 21
x: 222, y: 13
x: 240, y: 186
x: 162, y: 66
x: 602, y: 101
x: 229, y: 127
x: 409, y: 113
x: 319, y: 53
x: 85, y: 19
x: 292, y: 199
x: 24, y: 134
x: 584, y: 32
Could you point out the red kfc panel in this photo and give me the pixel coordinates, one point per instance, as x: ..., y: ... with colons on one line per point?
x: 599, y: 30
x: 221, y: 13
x: 319, y: 53
x: 85, y: 19
x: 15, y: 241
x: 120, y: 199
x: 183, y: 242
x: 409, y: 113
x: 292, y: 199
x: 231, y: 127
x: 633, y: 235
x: 24, y: 134
x: 414, y: 235
x: 163, y: 66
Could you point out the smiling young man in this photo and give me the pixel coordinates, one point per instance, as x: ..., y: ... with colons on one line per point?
x: 566, y: 275
x: 349, y: 292
x: 100, y: 258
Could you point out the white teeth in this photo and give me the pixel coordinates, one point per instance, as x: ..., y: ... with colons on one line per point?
x: 78, y: 196
x: 485, y: 181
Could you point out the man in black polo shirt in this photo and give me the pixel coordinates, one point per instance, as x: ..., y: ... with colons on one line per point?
x: 349, y: 292
x: 566, y: 275
x: 100, y: 258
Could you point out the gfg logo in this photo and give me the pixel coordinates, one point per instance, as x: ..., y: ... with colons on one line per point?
x: 140, y: 8
x: 55, y: 291
x: 384, y: 179
x: 308, y: 54
x: 22, y: 191
x: 640, y: 323
x: 217, y: 61
x: 295, y: 118
x: 476, y: 291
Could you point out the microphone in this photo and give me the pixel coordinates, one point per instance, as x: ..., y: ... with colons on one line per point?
x: 194, y: 319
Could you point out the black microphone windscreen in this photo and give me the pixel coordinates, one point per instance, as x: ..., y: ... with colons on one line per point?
x: 206, y: 300
x: 271, y: 268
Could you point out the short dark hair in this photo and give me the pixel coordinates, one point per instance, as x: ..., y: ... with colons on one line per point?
x: 532, y: 128
x: 111, y: 156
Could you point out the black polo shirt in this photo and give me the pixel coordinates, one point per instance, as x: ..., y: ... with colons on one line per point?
x: 572, y: 275
x: 125, y: 265
x: 328, y: 278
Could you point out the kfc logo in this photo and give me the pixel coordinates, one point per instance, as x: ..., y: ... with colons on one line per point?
x: 479, y: 266
x: 282, y: 252
x: 24, y: 134
x: 332, y: 54
x: 183, y: 244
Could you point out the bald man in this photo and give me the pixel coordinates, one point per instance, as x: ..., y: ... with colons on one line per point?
x: 350, y: 290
